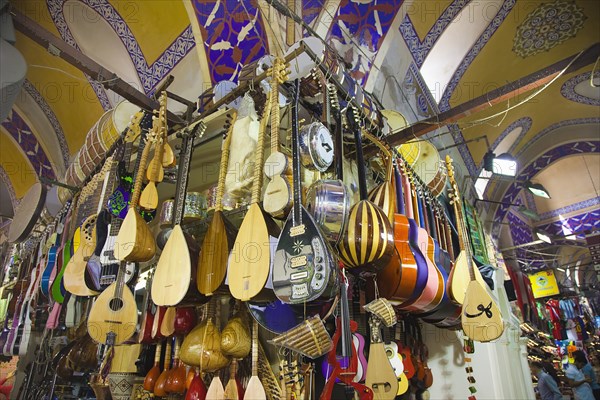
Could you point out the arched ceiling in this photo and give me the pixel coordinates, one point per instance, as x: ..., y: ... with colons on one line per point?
x: 440, y: 54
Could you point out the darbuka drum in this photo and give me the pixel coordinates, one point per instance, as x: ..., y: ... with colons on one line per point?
x: 93, y: 151
x: 430, y: 168
x: 166, y: 213
x: 329, y: 204
x: 316, y: 147
x: 195, y: 206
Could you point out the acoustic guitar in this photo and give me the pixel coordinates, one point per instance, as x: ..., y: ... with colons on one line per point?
x: 74, y: 275
x: 219, y: 239
x: 51, y: 258
x: 459, y: 277
x: 368, y: 243
x: 250, y: 260
x: 135, y: 241
x: 176, y: 268
x: 481, y: 318
x: 304, y: 268
x: 381, y: 377
x: 155, y: 171
x: 278, y: 197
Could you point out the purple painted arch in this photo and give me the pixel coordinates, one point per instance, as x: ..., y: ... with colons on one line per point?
x: 550, y: 156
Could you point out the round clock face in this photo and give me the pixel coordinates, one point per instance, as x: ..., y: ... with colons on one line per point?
x: 322, y: 148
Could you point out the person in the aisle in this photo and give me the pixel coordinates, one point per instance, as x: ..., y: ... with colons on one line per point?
x: 589, y: 372
x: 577, y: 380
x: 547, y: 386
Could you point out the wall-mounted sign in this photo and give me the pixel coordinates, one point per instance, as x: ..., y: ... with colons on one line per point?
x: 543, y: 284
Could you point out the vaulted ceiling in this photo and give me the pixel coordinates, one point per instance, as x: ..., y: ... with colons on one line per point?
x: 419, y: 57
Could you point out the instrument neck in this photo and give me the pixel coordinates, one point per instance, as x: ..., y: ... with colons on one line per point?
x: 140, y: 168
x: 260, y: 152
x: 339, y: 145
x: 187, y: 148
x: 254, y: 348
x: 296, y: 171
x: 224, y: 164
x: 360, y: 160
x: 274, y: 96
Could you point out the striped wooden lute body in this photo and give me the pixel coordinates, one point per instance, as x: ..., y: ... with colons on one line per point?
x: 368, y: 242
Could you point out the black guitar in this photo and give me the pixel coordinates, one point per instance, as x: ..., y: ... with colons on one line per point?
x: 304, y: 268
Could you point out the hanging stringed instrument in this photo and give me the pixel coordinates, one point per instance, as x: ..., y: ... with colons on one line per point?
x: 459, y: 277
x: 135, y: 241
x: 176, y: 269
x: 154, y: 373
x: 368, y: 242
x: 255, y: 389
x: 219, y: 239
x: 154, y: 171
x: 381, y: 377
x: 159, y: 386
x: 250, y: 260
x: 481, y: 318
x: 304, y: 268
x: 278, y: 196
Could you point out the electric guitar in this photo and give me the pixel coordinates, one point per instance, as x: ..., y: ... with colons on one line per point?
x: 304, y: 268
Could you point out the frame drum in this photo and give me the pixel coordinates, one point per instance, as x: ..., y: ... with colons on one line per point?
x: 430, y: 168
x: 27, y: 213
x: 118, y: 120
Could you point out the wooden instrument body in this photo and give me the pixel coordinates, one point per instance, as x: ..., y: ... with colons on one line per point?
x: 197, y: 389
x: 74, y: 275
x: 381, y: 377
x: 255, y: 389
x: 113, y: 314
x: 202, y: 348
x: 215, y: 389
x: 458, y: 279
x: 481, y: 318
x: 135, y: 241
x: 396, y: 361
x: 176, y: 270
x: 154, y: 373
x: 278, y: 196
x: 250, y: 260
x: 214, y: 254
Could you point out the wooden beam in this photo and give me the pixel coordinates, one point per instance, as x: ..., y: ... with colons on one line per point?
x: 85, y: 64
x: 503, y: 93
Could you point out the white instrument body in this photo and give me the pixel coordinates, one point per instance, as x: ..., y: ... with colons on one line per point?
x: 107, y: 257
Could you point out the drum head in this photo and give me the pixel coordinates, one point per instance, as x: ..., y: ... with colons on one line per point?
x: 53, y: 203
x: 121, y: 116
x: 301, y: 65
x: 410, y: 152
x: 428, y: 163
x: 27, y: 213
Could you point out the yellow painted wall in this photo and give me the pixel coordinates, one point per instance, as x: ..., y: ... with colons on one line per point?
x: 16, y: 165
x: 424, y: 14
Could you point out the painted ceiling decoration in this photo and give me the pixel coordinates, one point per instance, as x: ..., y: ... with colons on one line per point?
x: 56, y: 12
x: 594, y: 202
x: 358, y: 30
x: 576, y: 225
x: 421, y: 48
x: 16, y: 126
x: 43, y: 104
x: 233, y: 35
x: 548, y: 26
x: 533, y: 168
x: 311, y: 10
x: 568, y: 90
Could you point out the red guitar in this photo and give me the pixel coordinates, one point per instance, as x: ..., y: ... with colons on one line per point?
x: 404, y: 350
x: 344, y: 366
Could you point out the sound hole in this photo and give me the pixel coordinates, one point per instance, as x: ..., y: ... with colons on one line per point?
x: 116, y: 304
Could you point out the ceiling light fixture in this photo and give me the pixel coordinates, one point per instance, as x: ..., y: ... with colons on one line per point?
x: 504, y: 164
x: 543, y: 236
x: 537, y: 189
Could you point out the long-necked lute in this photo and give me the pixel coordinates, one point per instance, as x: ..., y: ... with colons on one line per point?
x: 304, y: 268
x: 250, y: 260
x: 219, y: 239
x: 481, y: 318
x: 175, y: 274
